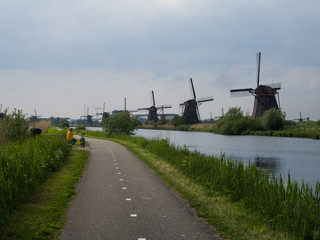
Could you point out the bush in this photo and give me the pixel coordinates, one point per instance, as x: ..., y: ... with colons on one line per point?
x: 272, y: 119
x: 44, y: 125
x: 178, y: 121
x: 234, y: 123
x: 122, y: 123
x: 13, y: 127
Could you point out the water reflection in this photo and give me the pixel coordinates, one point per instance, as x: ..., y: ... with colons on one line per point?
x: 268, y: 163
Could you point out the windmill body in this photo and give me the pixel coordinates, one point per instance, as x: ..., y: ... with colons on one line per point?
x: 190, y: 107
x: 190, y: 112
x: 264, y: 100
x: 265, y: 95
x: 153, y: 114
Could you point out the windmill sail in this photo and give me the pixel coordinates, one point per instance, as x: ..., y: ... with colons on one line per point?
x: 258, y: 68
x: 205, y: 99
x: 193, y: 92
x: 152, y: 99
x: 276, y: 86
x: 243, y: 92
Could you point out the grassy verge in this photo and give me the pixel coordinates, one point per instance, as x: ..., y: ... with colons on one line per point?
x: 231, y: 219
x: 41, y: 216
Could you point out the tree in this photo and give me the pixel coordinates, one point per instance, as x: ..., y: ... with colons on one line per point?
x: 122, y: 123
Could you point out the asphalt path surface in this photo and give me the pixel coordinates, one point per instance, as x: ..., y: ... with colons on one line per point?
x: 120, y: 198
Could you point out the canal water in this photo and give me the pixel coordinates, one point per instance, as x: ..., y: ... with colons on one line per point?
x: 300, y: 157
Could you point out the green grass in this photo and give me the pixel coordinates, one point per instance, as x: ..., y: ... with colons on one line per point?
x: 25, y: 165
x: 42, y: 214
x: 308, y: 129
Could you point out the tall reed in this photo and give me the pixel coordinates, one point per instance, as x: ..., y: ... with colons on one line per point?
x: 288, y: 207
x: 24, y: 164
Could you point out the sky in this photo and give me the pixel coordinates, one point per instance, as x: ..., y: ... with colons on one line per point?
x: 61, y: 57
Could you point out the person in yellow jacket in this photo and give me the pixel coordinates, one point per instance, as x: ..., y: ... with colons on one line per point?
x: 70, y: 137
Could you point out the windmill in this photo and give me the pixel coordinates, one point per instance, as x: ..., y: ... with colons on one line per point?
x: 264, y: 94
x: 88, y: 118
x: 153, y: 110
x: 301, y: 118
x: 35, y: 117
x: 104, y: 114
x: 190, y: 107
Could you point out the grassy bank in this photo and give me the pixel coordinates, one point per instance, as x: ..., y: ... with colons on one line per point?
x: 259, y: 207
x: 40, y: 216
x: 24, y: 165
x: 308, y: 129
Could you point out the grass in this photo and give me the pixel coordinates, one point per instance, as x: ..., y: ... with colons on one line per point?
x: 24, y: 165
x: 304, y: 129
x: 41, y: 216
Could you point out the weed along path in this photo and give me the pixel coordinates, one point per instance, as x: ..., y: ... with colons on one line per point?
x: 119, y: 197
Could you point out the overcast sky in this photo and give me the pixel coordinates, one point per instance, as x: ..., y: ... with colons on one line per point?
x: 57, y: 56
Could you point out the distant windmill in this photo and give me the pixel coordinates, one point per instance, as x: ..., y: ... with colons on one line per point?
x: 190, y: 107
x: 88, y: 117
x: 104, y: 114
x: 35, y: 117
x: 301, y: 118
x: 153, y: 110
x: 125, y: 107
x: 264, y: 94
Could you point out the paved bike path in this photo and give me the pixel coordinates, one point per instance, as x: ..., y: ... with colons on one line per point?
x: 120, y: 198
